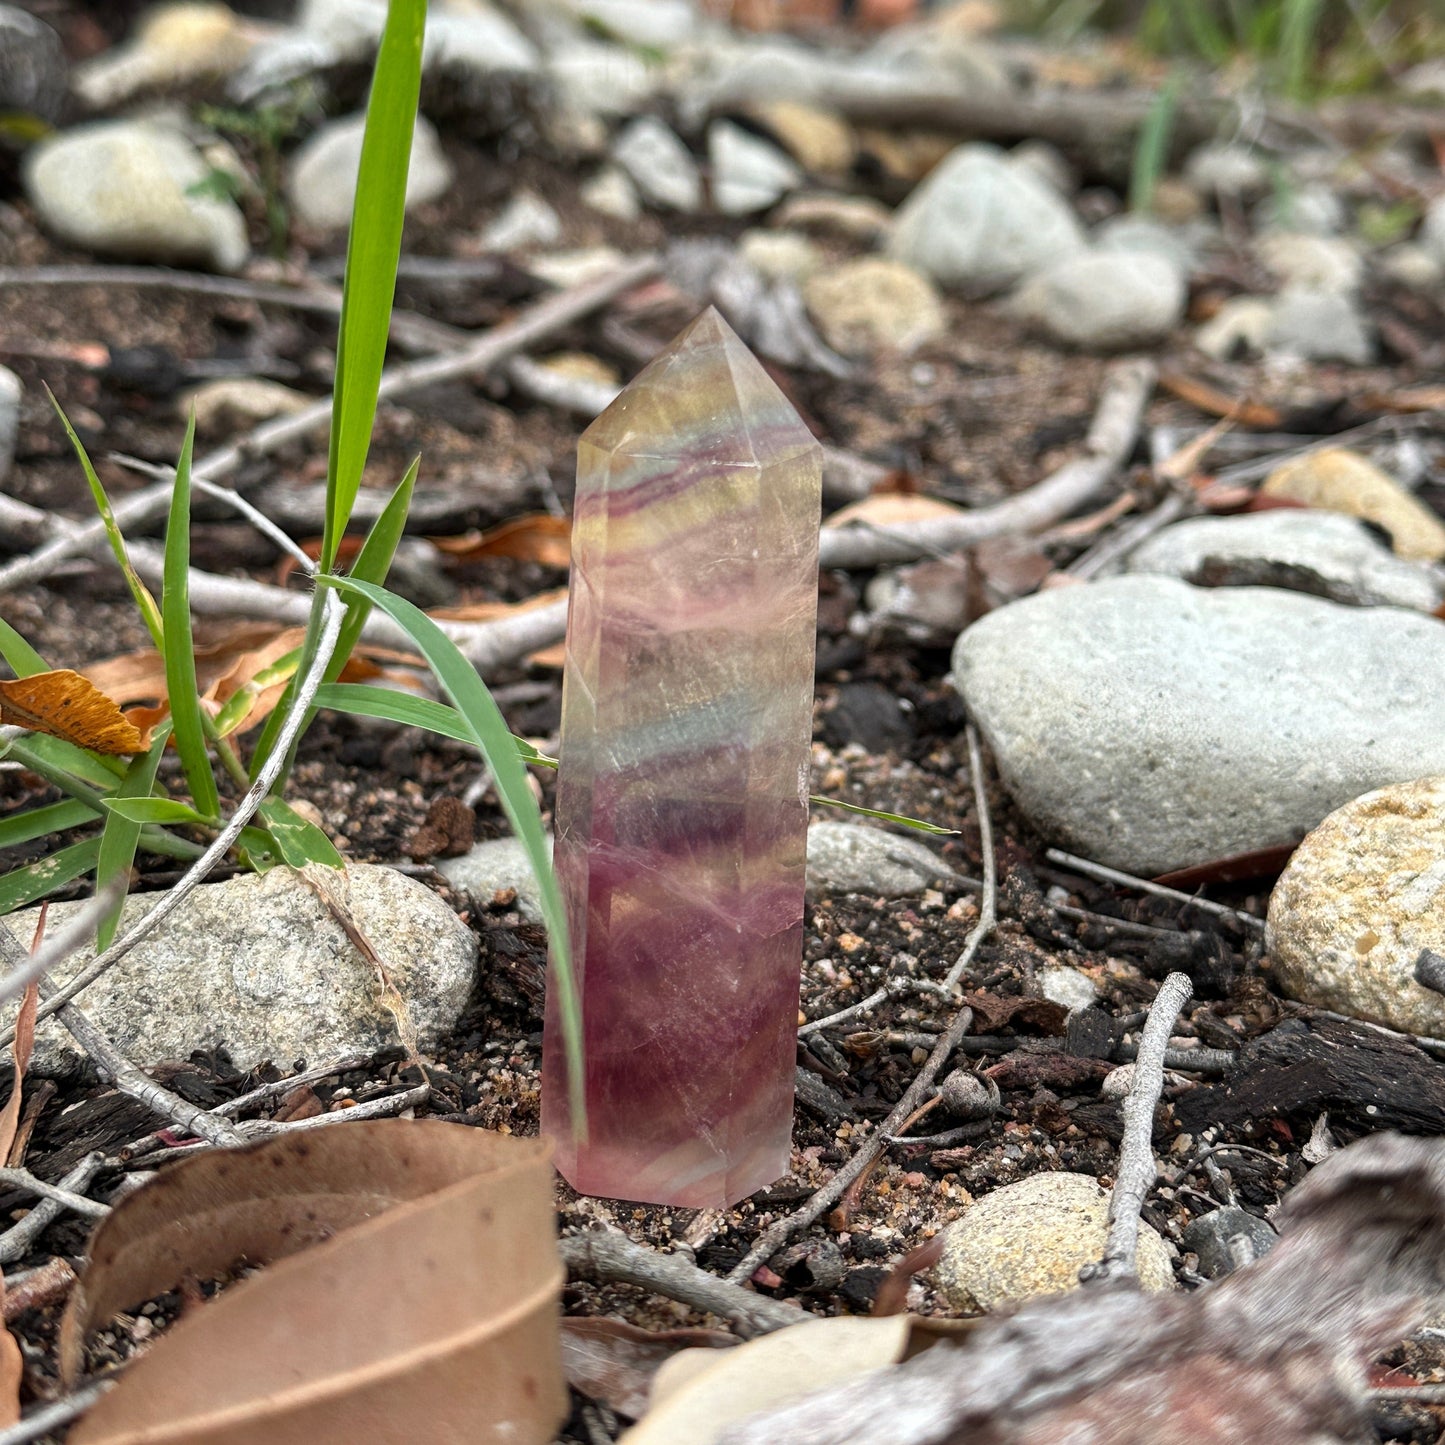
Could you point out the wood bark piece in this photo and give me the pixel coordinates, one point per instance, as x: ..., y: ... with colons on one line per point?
x: 412, y: 1295
x: 1371, y: 1078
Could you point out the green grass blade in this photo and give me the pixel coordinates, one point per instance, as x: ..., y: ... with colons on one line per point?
x: 362, y: 700
x: 23, y: 659
x: 298, y: 841
x: 121, y: 835
x: 372, y: 249
x: 149, y: 612
x: 372, y: 564
x: 38, y: 822
x: 140, y: 810
x: 494, y: 739
x: 73, y: 770
x: 179, y: 649
x: 35, y: 880
x: 1151, y: 149
x: 1297, y: 39
x: 900, y: 818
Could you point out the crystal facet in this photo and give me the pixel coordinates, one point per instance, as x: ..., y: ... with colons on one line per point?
x: 682, y: 794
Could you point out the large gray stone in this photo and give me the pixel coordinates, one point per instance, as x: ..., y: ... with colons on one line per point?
x: 661, y: 166
x: 126, y: 188
x: 32, y: 65
x: 257, y: 965
x: 979, y: 224
x: 1153, y: 725
x: 1320, y: 326
x: 498, y: 865
x: 1304, y: 550
x: 748, y: 173
x: 851, y: 858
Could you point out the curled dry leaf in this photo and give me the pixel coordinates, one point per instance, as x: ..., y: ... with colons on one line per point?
x: 12, y: 1363
x: 537, y: 537
x: 415, y: 1297
x: 66, y: 705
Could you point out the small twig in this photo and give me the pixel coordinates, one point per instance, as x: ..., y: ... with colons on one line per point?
x: 777, y: 1235
x: 1159, y: 890
x: 1116, y: 545
x: 20, y: 1239
x: 608, y: 1256
x: 1137, y: 1166
x: 59, y: 1412
x: 988, y: 907
x: 1111, y: 438
x: 306, y: 687
x: 894, y: 988
x: 25, y: 967
x: 385, y: 1107
x: 43, y: 1285
x: 484, y: 352
x: 25, y: 1181
x: 1428, y: 1394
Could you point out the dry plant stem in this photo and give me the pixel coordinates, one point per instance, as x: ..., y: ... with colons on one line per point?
x: 33, y: 1288
x: 20, y: 1239
x: 778, y: 1234
x: 483, y: 353
x: 609, y: 1257
x: 988, y: 907
x: 1111, y: 438
x: 252, y: 1129
x: 25, y: 967
x: 51, y: 1417
x: 1076, y: 864
x: 306, y: 687
x: 25, y: 1181
x: 1137, y: 1167
x: 1117, y: 545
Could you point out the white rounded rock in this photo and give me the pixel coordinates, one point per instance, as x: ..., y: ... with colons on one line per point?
x: 127, y: 188
x: 852, y: 858
x: 1361, y: 897
x: 1032, y: 1238
x: 321, y: 182
x: 749, y: 174
x: 1105, y: 300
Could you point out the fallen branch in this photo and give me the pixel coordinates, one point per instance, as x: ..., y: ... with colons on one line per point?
x: 484, y: 353
x: 27, y: 1183
x: 609, y: 1257
x: 1111, y: 437
x: 1104, y: 874
x: 1137, y: 1166
x: 988, y: 906
x: 20, y: 1239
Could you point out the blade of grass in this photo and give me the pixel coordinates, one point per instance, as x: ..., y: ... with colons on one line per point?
x: 902, y: 819
x: 361, y: 700
x: 73, y: 770
x: 156, y: 810
x: 372, y: 248
x: 121, y: 835
x: 299, y: 842
x: 150, y: 613
x: 1151, y: 149
x: 179, y: 649
x: 23, y: 659
x: 1298, y: 21
x: 38, y: 822
x: 35, y: 880
x: 494, y: 740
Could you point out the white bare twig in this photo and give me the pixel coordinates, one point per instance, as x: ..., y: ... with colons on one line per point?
x: 19, y: 1239
x: 51, y: 1417
x: 1137, y: 1167
x: 27, y: 967
x: 24, y: 1180
x: 1089, y: 869
x: 988, y: 905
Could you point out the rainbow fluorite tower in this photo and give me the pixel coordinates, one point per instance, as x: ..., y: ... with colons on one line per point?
x: 687, y: 709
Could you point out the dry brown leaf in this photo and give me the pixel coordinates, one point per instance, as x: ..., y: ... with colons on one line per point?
x: 1213, y: 402
x: 489, y: 611
x: 65, y: 705
x: 1406, y: 399
x: 415, y: 1297
x: 537, y: 537
x: 891, y: 509
x: 615, y: 1362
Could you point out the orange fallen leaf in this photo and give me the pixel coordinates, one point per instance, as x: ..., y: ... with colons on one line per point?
x: 552, y: 656
x: 537, y: 537
x: 66, y: 705
x: 891, y: 509
x: 411, y: 1294
x: 1213, y: 402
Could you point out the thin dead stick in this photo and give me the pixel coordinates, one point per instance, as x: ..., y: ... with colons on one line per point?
x: 1137, y: 1166
x: 33, y: 1288
x: 51, y: 1417
x: 22, y: 525
x: 1111, y: 438
x: 26, y: 967
x: 609, y: 1257
x: 385, y: 1107
x: 988, y: 907
x: 778, y: 1234
x: 27, y: 1183
x: 485, y: 352
x: 20, y: 1239
x: 306, y: 687
x: 895, y: 988
x: 1076, y: 864
x: 1116, y: 545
